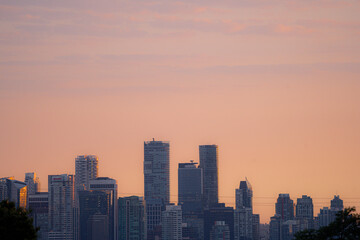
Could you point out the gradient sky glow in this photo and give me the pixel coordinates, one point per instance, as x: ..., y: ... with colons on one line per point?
x: 276, y: 84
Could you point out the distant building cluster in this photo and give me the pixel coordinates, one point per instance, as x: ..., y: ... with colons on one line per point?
x: 85, y: 206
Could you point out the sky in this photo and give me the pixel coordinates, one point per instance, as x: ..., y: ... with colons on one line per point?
x: 275, y: 84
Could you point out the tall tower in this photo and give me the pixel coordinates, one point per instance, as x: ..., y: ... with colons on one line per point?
x: 208, y: 155
x: 132, y: 218
x: 171, y: 223
x: 285, y: 207
x: 305, y: 212
x: 86, y: 169
x: 190, y: 187
x: 243, y: 215
x: 156, y: 181
x: 337, y: 204
x: 32, y: 182
x: 61, y: 206
x: 109, y: 187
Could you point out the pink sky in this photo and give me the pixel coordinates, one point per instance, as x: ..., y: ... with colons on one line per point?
x: 276, y: 84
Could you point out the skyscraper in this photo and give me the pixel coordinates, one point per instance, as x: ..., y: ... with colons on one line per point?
x: 94, y: 209
x: 13, y: 190
x: 132, y: 218
x: 208, y: 155
x: 86, y: 169
x: 32, y: 182
x: 61, y: 206
x: 305, y: 213
x: 156, y: 182
x: 337, y: 204
x: 108, y: 186
x: 172, y: 223
x: 244, y: 195
x: 216, y: 213
x: 285, y: 207
x: 243, y: 215
x: 38, y: 203
x: 190, y: 187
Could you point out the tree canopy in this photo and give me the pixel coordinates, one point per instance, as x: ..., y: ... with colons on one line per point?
x: 345, y: 227
x: 15, y: 223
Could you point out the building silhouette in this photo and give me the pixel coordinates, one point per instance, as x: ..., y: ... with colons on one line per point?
x: 61, y: 206
x: 156, y: 183
x: 13, y: 190
x: 243, y: 214
x: 190, y: 187
x: 86, y: 169
x: 305, y: 213
x: 132, y: 218
x: 38, y: 204
x: 172, y: 223
x: 220, y: 231
x: 217, y: 213
x: 337, y: 204
x: 285, y: 207
x: 208, y: 155
x: 32, y: 183
x: 109, y: 187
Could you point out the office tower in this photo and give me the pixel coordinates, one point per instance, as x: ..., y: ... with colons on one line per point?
x: 32, y: 182
x: 108, y: 186
x: 337, y: 204
x: 305, y: 208
x: 172, y: 223
x: 275, y: 227
x: 190, y: 187
x: 132, y: 218
x: 13, y: 190
x: 208, y: 155
x: 220, y: 231
x: 216, y: 213
x: 285, y: 207
x: 38, y: 204
x: 61, y: 206
x: 86, y: 169
x: 156, y: 183
x: 94, y: 214
x: 256, y: 226
x: 305, y: 213
x: 244, y: 195
x: 326, y: 216
x: 243, y: 215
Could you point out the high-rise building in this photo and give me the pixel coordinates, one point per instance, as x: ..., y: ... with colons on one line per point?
x: 216, y: 213
x: 256, y: 226
x: 244, y: 195
x: 285, y: 207
x: 132, y: 218
x: 275, y: 227
x: 172, y: 223
x: 220, y: 231
x: 61, y: 207
x: 305, y: 213
x: 86, y: 169
x: 337, y: 204
x: 13, y: 190
x: 38, y: 204
x: 32, y: 182
x: 326, y: 216
x: 208, y: 155
x: 156, y: 182
x: 243, y: 215
x: 190, y: 187
x: 109, y: 187
x: 94, y: 210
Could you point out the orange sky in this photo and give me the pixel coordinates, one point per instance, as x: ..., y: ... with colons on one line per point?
x: 274, y: 83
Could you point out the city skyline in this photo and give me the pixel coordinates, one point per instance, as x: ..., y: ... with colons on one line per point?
x: 322, y: 202
x: 274, y: 84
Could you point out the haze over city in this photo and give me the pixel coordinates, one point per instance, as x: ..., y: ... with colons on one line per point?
x: 275, y: 84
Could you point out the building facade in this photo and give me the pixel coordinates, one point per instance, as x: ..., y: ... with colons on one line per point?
x: 109, y: 187
x: 156, y: 183
x: 38, y: 204
x: 32, y: 182
x: 208, y: 155
x: 132, y: 218
x: 13, y: 190
x: 61, y: 206
x: 86, y: 169
x: 172, y: 223
x: 285, y: 207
